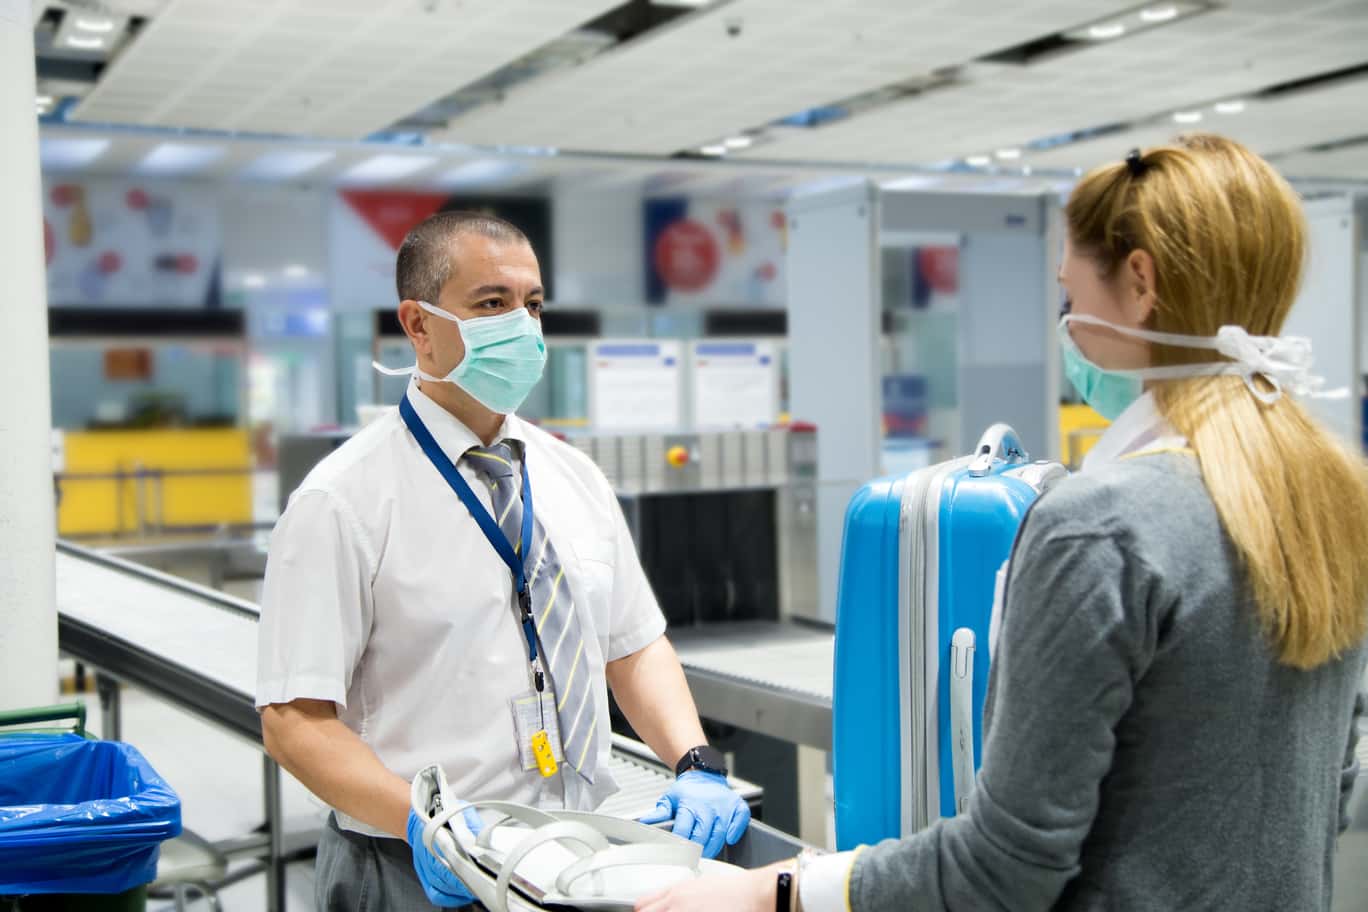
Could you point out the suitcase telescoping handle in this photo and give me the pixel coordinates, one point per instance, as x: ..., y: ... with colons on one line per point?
x: 998, y: 442
x: 962, y: 715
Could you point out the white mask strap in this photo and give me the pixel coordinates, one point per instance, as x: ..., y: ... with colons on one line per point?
x: 1284, y: 362
x: 412, y: 370
x: 438, y: 312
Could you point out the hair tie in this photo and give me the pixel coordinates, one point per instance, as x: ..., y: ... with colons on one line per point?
x: 1136, y: 163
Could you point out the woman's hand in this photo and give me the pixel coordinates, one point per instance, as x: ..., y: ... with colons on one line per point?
x: 741, y: 891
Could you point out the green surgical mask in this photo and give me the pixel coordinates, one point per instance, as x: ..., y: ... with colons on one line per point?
x: 504, y: 358
x: 1109, y: 393
x: 1284, y: 363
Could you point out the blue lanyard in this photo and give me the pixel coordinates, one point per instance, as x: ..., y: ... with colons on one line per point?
x: 487, y: 525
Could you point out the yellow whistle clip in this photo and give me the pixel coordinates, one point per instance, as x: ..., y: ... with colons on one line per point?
x: 546, y: 759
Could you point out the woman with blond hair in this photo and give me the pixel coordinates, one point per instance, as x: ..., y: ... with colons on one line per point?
x: 1170, y: 720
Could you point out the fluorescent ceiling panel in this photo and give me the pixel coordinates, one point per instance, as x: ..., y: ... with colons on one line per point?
x: 694, y: 83
x: 284, y: 164
x: 1223, y: 55
x: 386, y: 167
x: 481, y: 172
x: 60, y: 153
x: 179, y: 158
x: 317, y: 67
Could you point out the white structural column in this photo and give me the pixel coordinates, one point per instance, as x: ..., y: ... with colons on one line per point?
x: 1326, y: 311
x: 28, y: 615
x: 834, y: 318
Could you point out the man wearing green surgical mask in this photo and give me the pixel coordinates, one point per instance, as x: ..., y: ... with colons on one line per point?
x: 422, y: 606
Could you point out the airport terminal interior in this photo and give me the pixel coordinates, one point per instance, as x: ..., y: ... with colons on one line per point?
x: 795, y: 258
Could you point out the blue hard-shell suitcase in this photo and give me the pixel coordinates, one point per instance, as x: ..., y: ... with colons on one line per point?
x: 919, y: 563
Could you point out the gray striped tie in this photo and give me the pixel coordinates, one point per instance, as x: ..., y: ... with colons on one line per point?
x: 553, y: 610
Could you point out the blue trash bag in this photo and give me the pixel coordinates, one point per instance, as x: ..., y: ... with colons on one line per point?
x: 79, y: 816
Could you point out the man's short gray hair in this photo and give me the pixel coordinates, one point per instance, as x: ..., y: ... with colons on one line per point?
x: 424, y: 262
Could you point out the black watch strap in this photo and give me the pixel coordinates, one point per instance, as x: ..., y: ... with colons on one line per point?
x: 783, y: 892
x: 704, y: 758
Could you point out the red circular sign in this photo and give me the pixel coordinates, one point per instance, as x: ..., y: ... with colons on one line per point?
x: 109, y: 262
x: 136, y: 199
x: 940, y: 267
x: 686, y: 255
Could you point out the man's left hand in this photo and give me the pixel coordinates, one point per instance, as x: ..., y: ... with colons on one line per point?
x: 704, y: 809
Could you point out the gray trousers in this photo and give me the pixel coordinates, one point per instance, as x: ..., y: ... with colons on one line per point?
x: 356, y: 873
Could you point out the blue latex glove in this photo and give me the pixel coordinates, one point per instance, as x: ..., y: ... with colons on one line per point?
x: 705, y: 810
x: 441, y: 886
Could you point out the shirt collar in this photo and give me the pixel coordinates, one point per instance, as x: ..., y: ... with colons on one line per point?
x: 1139, y: 426
x: 450, y: 432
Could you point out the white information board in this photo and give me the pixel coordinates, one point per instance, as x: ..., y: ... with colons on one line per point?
x: 735, y: 384
x: 635, y: 384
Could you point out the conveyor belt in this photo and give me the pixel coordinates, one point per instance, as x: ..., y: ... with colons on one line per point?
x: 196, y: 648
x: 772, y: 678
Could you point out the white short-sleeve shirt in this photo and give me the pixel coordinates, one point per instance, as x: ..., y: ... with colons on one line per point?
x: 383, y: 596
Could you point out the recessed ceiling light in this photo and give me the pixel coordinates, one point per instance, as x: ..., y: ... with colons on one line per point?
x: 480, y: 171
x: 253, y: 280
x: 99, y: 26
x: 913, y: 182
x: 85, y: 44
x: 1156, y: 14
x: 714, y: 150
x: 1187, y: 117
x: 978, y: 161
x: 738, y: 142
x: 179, y: 158
x: 285, y: 164
x: 44, y: 100
x: 58, y: 153
x: 1230, y: 107
x: 1107, y: 32
x: 296, y: 271
x: 1026, y: 170
x: 388, y: 167
x: 1009, y: 154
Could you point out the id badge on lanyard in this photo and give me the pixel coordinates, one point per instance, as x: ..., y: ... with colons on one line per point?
x: 536, y: 740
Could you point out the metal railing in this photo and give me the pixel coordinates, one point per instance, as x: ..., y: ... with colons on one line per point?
x: 149, y: 496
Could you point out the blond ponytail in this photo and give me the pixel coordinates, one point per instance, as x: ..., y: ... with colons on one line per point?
x: 1294, y: 503
x: 1228, y: 240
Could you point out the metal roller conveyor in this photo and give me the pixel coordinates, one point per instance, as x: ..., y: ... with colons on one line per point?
x: 196, y: 649
x: 766, y: 677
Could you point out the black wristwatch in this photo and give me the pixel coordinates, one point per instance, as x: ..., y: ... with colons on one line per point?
x: 783, y: 892
x: 702, y: 758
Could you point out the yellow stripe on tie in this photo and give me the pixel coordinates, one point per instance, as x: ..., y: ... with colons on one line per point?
x: 568, y: 736
x: 555, y: 590
x: 490, y: 456
x: 588, y: 740
x: 508, y: 509
x: 555, y: 650
x: 574, y: 667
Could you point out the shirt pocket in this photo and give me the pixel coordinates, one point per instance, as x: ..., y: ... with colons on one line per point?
x: 597, y: 559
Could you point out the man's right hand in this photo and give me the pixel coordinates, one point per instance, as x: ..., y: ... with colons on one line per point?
x: 441, y: 886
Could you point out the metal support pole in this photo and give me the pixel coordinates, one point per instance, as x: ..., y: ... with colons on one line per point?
x: 111, y: 707
x: 275, y: 862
